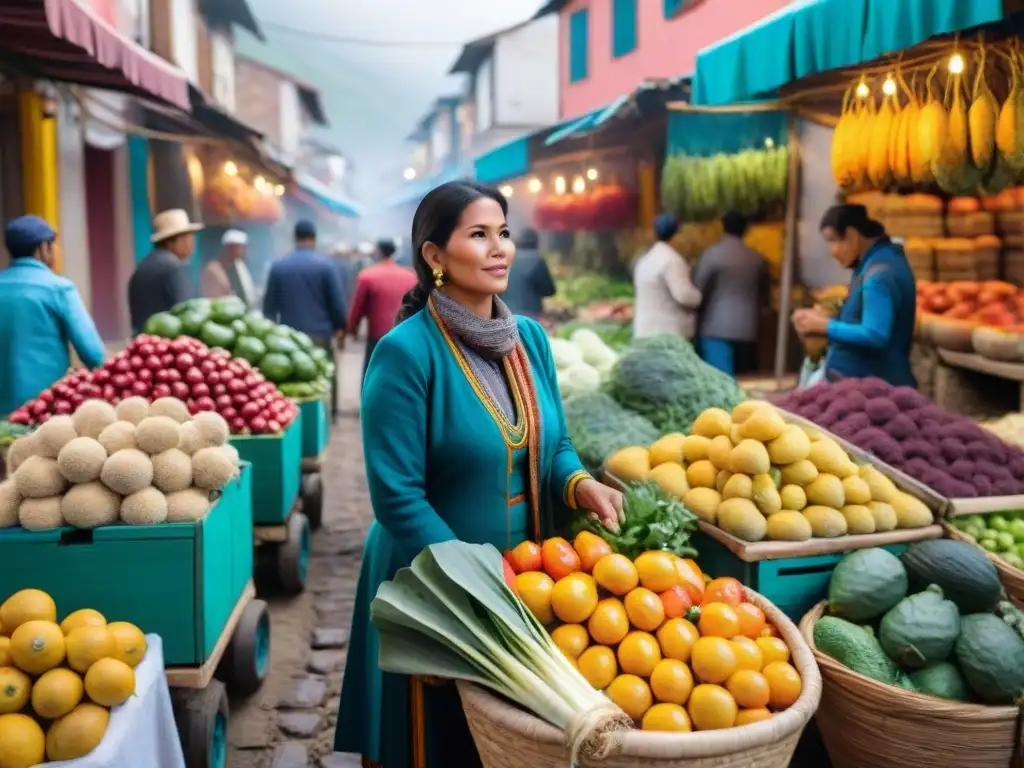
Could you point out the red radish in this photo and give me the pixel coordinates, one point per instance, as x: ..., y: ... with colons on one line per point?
x: 161, y: 390
x: 180, y: 390
x: 200, y: 390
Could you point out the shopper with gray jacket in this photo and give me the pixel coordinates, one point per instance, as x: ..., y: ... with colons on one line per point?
x: 733, y: 281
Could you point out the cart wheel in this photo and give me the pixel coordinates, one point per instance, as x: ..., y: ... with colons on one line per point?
x: 313, y: 499
x: 202, y: 720
x: 293, y: 555
x: 245, y: 664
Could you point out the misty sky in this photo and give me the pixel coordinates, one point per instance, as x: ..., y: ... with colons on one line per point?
x: 374, y: 95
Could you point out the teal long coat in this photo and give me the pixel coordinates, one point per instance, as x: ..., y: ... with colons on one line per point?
x: 442, y: 464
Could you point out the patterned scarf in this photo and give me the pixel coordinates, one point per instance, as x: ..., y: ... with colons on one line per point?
x: 492, y: 338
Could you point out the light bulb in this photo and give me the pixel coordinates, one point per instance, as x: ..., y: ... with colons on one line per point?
x: 769, y: 142
x: 956, y: 64
x: 409, y: 174
x: 889, y: 86
x: 279, y: 190
x: 230, y: 168
x: 507, y: 190
x: 862, y: 91
x: 259, y: 182
x: 535, y: 185
x: 579, y: 186
x: 560, y: 185
x: 592, y: 174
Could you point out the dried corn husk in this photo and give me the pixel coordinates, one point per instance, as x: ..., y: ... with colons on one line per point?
x: 878, y: 144
x: 953, y: 169
x: 905, y: 126
x: 981, y: 119
x: 1010, y: 124
x: 860, y: 149
x: 842, y: 168
x: 931, y: 129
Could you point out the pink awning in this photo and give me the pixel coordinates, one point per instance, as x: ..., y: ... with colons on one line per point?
x: 64, y: 40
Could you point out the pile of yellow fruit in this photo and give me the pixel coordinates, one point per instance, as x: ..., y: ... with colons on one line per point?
x: 676, y: 652
x: 58, y: 681
x: 757, y: 477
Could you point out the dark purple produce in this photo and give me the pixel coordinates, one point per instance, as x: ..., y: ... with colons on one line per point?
x: 903, y: 428
x: 856, y: 422
x: 982, y: 484
x: 918, y: 467
x: 880, y: 410
x: 963, y: 470
x: 890, y: 452
x: 906, y: 398
x: 872, y: 387
x: 952, y: 450
x: 921, y: 449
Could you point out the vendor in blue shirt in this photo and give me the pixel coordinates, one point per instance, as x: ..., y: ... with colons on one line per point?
x: 41, y: 313
x: 875, y: 328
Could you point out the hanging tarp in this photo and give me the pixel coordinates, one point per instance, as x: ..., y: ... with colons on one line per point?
x: 507, y: 161
x: 813, y: 36
x: 702, y: 134
x: 589, y: 122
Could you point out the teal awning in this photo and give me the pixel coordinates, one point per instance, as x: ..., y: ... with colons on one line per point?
x: 808, y: 37
x: 703, y: 134
x: 415, y: 191
x: 505, y: 162
x: 589, y: 122
x: 327, y: 197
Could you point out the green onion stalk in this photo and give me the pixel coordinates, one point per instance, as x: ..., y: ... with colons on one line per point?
x: 452, y: 615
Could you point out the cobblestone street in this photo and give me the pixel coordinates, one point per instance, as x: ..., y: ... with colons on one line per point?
x: 289, y: 723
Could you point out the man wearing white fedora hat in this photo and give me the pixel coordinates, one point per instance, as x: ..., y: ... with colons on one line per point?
x: 162, y: 280
x: 229, y: 275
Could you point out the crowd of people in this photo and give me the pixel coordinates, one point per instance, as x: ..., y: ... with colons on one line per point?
x: 462, y: 426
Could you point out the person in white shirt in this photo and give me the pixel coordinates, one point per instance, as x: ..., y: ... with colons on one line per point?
x: 666, y: 300
x: 229, y: 275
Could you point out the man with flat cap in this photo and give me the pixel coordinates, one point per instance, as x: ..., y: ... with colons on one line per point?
x: 162, y: 279
x: 229, y: 275
x: 41, y: 314
x: 304, y: 292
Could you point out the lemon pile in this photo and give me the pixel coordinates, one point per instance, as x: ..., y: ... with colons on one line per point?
x: 58, y: 681
x: 674, y: 653
x: 757, y: 477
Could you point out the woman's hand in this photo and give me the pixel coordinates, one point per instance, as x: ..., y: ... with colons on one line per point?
x: 603, y: 503
x: 811, y: 322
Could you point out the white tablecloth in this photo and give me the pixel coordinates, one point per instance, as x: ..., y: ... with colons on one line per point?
x: 142, y: 730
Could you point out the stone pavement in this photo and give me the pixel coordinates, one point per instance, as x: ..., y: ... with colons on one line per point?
x: 289, y: 723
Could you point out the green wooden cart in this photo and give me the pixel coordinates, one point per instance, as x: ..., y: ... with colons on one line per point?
x: 316, y: 434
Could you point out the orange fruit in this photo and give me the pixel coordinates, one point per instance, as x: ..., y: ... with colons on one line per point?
x: 631, y: 694
x: 752, y: 620
x: 714, y: 659
x: 559, y: 558
x: 639, y: 654
x: 657, y: 570
x: 712, y: 707
x: 591, y: 548
x: 86, y: 617
x: 773, y: 649
x: 724, y: 590
x: 616, y: 573
x: 676, y: 601
x: 748, y: 653
x: 748, y: 688
x: 748, y: 716
x: 718, y: 620
x: 676, y: 638
x: 609, y: 623
x: 667, y: 717
x: 784, y: 683
x: 672, y: 681
x: 644, y: 609
x: 572, y: 639
x: 525, y: 557
x: 37, y: 646
x: 534, y: 589
x: 574, y: 598
x: 87, y: 645
x: 598, y: 666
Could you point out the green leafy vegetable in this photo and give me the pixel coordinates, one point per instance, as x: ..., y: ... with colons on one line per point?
x: 653, y: 520
x: 598, y: 426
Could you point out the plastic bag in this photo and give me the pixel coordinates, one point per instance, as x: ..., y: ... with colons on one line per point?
x: 811, y: 373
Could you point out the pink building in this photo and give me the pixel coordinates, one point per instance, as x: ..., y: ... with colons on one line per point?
x: 608, y: 47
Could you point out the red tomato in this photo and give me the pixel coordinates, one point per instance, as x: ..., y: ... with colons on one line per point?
x: 525, y: 557
x: 724, y: 590
x: 559, y: 558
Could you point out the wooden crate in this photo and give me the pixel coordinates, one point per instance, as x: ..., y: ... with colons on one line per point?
x: 181, y: 581
x: 316, y: 426
x: 277, y: 466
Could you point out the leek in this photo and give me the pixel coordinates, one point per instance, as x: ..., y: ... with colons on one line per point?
x: 451, y: 615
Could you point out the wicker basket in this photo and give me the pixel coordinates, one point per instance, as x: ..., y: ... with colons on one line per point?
x: 867, y: 724
x: 1012, y: 578
x: 970, y: 224
x: 508, y: 737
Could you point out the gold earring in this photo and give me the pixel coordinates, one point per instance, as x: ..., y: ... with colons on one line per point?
x: 438, y: 277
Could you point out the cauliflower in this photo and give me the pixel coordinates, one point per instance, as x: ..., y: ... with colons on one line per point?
x: 595, y: 352
x: 565, y: 353
x: 578, y: 379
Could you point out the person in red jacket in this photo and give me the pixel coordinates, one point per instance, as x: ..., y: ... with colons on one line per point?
x: 379, y: 292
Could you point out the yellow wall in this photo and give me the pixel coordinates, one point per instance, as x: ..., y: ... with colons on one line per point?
x: 39, y: 162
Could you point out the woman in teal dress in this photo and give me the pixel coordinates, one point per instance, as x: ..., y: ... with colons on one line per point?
x: 464, y: 438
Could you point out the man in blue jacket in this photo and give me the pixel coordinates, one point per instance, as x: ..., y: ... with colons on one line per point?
x: 875, y: 328
x: 304, y: 292
x: 41, y: 313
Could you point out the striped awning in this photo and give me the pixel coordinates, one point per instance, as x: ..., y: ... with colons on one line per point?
x: 64, y: 40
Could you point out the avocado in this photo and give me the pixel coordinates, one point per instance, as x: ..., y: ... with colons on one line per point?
x: 855, y: 648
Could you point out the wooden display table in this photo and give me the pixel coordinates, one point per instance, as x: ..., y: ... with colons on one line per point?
x: 975, y: 386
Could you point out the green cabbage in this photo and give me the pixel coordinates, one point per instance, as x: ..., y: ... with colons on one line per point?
x: 598, y: 426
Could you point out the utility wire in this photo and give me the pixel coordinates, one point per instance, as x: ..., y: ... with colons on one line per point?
x: 364, y: 41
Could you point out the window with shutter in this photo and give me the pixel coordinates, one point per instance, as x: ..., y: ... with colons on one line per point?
x: 623, y: 27
x: 674, y: 8
x: 579, y: 23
